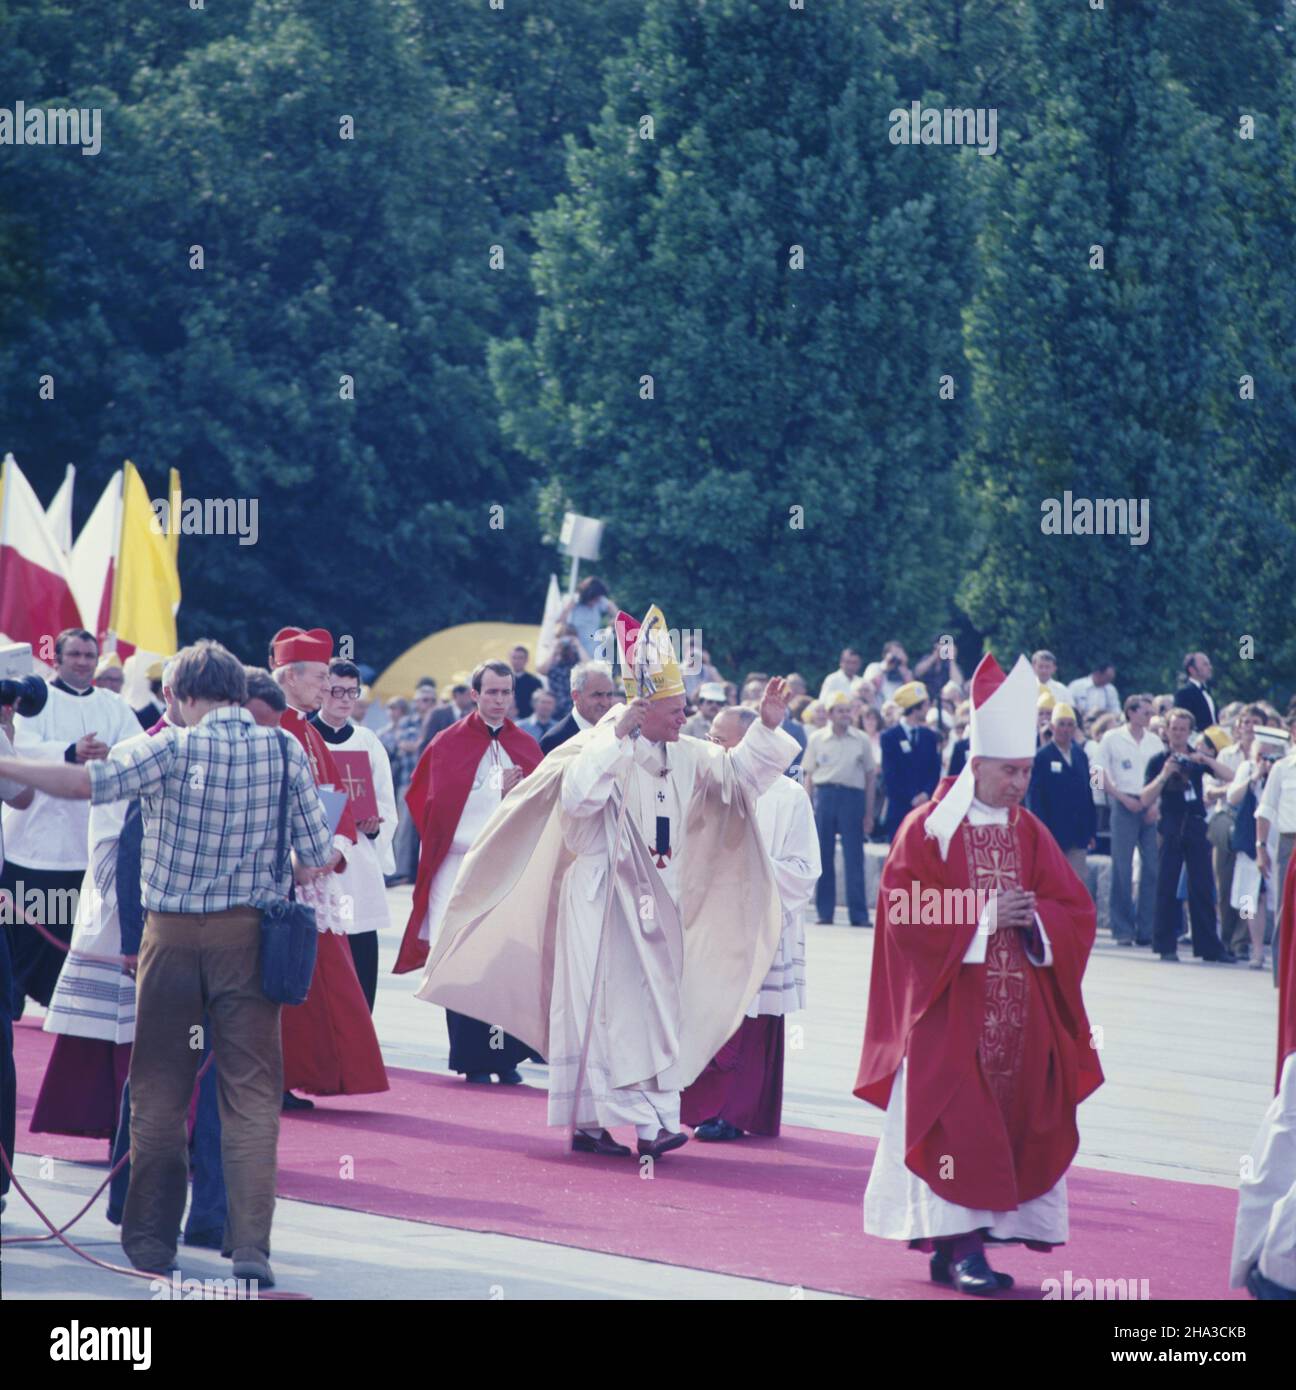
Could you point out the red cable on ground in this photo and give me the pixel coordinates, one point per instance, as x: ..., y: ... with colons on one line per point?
x: 127, y: 963
x: 58, y: 1235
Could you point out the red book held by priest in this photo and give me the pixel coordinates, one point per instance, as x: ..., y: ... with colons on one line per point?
x: 357, y: 781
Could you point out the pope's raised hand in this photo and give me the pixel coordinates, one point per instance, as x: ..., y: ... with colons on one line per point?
x: 774, y: 703
x: 633, y: 718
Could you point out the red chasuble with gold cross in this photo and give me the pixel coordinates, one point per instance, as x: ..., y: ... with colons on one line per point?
x: 999, y: 1054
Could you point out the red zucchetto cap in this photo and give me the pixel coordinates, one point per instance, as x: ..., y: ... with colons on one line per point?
x: 291, y: 644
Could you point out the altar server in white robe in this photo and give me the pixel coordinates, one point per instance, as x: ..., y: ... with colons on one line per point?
x: 46, y: 842
x: 740, y: 1090
x: 688, y: 919
x: 361, y: 884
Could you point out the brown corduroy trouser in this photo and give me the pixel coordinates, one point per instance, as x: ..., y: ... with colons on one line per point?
x: 191, y: 964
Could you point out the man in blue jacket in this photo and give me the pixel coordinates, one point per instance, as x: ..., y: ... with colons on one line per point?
x: 1060, y: 792
x: 911, y: 764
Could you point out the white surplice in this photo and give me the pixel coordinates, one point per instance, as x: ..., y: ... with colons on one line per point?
x: 95, y: 998
x: 787, y: 828
x: 361, y: 885
x: 898, y: 1204
x: 1266, y: 1215
x: 52, y: 833
x: 592, y: 779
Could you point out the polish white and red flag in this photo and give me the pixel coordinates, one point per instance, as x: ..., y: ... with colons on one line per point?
x: 36, y: 601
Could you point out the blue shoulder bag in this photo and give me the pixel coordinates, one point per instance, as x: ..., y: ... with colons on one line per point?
x: 289, y: 937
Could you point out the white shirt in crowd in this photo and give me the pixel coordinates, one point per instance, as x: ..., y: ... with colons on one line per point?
x: 1125, y: 758
x: 1278, y: 803
x: 839, y: 683
x: 53, y: 832
x: 1088, y: 698
x: 1216, y: 791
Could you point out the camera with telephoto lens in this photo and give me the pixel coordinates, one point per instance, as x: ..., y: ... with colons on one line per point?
x: 19, y: 685
x: 1181, y: 760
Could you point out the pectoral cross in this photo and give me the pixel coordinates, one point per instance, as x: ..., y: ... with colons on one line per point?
x: 661, y: 796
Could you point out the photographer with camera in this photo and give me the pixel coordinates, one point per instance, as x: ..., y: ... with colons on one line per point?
x: 1174, y: 779
x: 895, y: 670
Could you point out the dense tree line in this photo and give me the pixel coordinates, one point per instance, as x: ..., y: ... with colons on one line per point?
x: 660, y: 261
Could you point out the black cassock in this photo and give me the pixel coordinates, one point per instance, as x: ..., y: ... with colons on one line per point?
x: 471, y: 1050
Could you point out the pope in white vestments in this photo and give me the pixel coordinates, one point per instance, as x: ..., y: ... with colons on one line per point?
x: 688, y: 920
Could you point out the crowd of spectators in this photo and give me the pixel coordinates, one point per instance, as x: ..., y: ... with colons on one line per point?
x: 1194, y: 802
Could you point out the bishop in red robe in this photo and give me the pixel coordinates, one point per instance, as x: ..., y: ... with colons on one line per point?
x: 459, y: 782
x: 976, y: 1043
x: 329, y: 1044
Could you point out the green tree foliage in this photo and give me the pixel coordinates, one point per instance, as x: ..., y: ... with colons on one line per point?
x: 324, y: 257
x: 500, y: 259
x: 787, y: 482
x: 1117, y: 382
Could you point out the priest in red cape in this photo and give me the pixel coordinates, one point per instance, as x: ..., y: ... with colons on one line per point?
x: 976, y: 1043
x: 1264, y: 1238
x: 463, y: 775
x: 329, y: 1044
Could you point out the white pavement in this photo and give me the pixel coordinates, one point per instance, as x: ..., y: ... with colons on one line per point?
x: 1188, y: 1051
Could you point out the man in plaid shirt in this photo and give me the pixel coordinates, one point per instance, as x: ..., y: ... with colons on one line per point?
x: 209, y: 795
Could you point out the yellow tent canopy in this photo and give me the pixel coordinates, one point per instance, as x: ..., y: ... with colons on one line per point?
x: 454, y: 651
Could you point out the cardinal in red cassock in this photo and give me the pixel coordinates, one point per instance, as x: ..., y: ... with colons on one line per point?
x: 463, y: 775
x: 329, y: 1044
x: 976, y: 1044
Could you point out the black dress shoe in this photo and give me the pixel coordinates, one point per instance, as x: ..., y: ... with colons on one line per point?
x: 604, y: 1145
x: 510, y: 1078
x: 292, y: 1102
x: 1224, y: 958
x: 663, y: 1144
x: 973, y: 1275
x: 940, y: 1272
x: 1170, y: 956
x: 714, y: 1129
x: 1266, y: 1289
x: 478, y: 1078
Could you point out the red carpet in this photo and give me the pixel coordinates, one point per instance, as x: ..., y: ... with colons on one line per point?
x: 787, y: 1210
